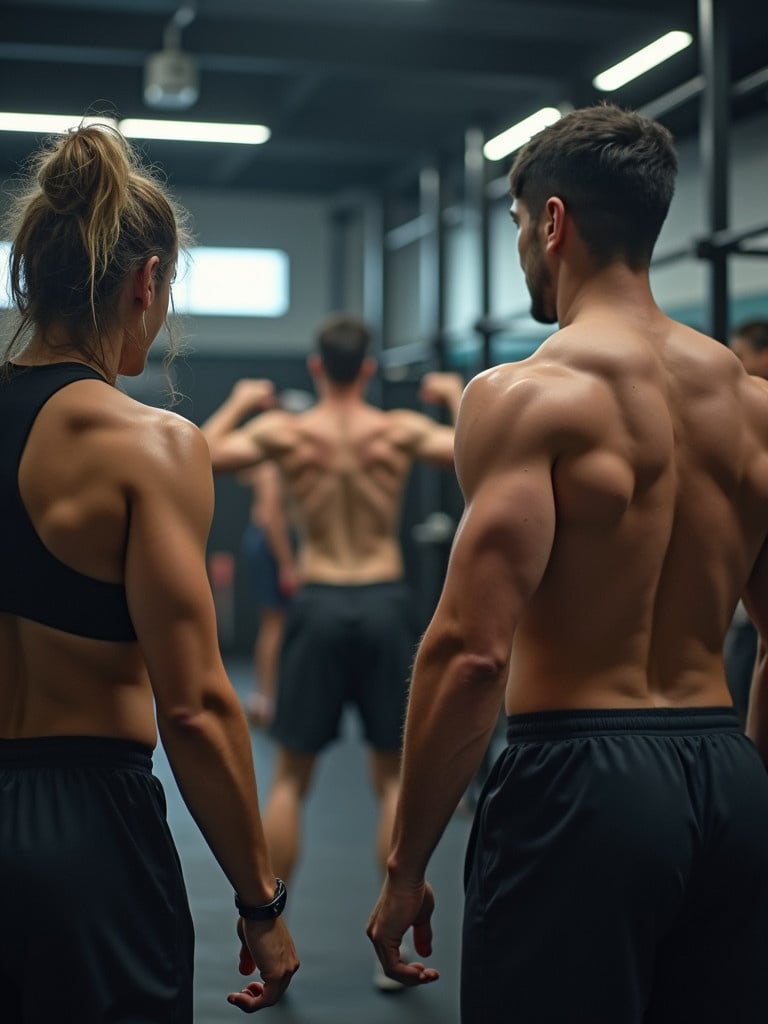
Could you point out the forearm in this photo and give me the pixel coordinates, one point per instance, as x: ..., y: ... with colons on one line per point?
x: 453, y: 709
x: 757, y: 716
x: 453, y: 400
x: 227, y: 417
x: 210, y: 754
x: 278, y: 536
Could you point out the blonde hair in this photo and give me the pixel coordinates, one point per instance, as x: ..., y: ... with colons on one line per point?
x: 88, y: 215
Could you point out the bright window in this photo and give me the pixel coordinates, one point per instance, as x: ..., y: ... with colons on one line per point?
x: 215, y: 282
x: 5, y: 275
x: 232, y: 282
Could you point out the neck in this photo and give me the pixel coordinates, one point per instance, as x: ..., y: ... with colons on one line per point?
x: 615, y: 288
x: 54, y: 346
x: 343, y: 394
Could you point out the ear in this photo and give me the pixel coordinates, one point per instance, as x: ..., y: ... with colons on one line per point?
x: 315, y: 366
x: 145, y: 283
x: 553, y: 222
x: 368, y: 368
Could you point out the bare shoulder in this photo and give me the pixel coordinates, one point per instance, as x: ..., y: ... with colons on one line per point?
x: 276, y: 430
x: 753, y: 394
x: 711, y: 367
x: 140, y: 444
x: 407, y: 428
x: 529, y: 413
x: 542, y: 393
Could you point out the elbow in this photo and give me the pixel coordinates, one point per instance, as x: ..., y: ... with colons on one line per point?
x: 181, y: 718
x: 467, y: 665
x: 196, y: 716
x: 218, y: 458
x: 481, y: 667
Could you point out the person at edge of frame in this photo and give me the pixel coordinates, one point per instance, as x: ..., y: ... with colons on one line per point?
x: 616, y: 488
x: 107, y: 624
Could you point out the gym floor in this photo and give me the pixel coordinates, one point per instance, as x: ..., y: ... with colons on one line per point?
x: 331, y: 895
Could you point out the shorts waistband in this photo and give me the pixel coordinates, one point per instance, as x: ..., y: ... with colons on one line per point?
x: 554, y: 725
x: 344, y: 588
x: 75, y: 751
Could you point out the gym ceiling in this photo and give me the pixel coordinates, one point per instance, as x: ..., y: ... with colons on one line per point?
x: 357, y: 93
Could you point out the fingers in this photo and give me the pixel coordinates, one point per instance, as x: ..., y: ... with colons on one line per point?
x: 268, y: 948
x: 256, y: 392
x: 247, y: 965
x: 253, y: 997
x: 249, y: 999
x: 437, y: 387
x: 409, y: 974
x: 422, y: 924
x: 422, y: 938
x: 399, y: 908
x: 258, y: 994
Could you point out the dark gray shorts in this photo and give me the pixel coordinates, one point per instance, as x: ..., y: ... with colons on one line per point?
x: 345, y: 645
x: 94, y: 924
x: 617, y: 873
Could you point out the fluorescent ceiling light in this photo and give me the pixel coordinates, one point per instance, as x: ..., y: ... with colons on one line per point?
x: 194, y: 131
x: 48, y: 124
x: 516, y: 136
x: 638, y: 63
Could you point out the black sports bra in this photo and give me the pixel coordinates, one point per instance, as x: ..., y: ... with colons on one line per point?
x: 34, y: 584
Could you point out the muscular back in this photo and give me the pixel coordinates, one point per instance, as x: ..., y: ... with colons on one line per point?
x: 346, y: 465
x: 657, y: 453
x: 124, y: 494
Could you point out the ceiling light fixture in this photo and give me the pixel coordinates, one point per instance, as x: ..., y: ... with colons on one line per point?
x: 172, y: 77
x: 516, y: 136
x: 137, y: 128
x: 195, y: 131
x: 48, y: 124
x: 638, y: 63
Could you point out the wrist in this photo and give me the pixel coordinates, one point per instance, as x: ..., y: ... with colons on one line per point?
x: 402, y: 876
x: 266, y: 910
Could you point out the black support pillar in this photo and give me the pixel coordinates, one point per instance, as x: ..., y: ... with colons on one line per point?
x: 714, y: 152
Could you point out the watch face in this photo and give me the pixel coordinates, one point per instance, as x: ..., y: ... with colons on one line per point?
x: 265, y: 911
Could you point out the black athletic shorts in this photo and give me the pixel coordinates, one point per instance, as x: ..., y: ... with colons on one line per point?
x: 345, y: 645
x: 261, y: 569
x: 617, y: 873
x: 94, y: 921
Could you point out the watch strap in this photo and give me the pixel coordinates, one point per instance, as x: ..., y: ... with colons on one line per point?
x: 265, y: 911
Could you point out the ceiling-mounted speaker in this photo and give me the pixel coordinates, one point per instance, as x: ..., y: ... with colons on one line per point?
x: 171, y: 80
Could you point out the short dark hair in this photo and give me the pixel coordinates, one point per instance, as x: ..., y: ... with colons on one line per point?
x: 343, y: 342
x: 755, y: 332
x: 615, y: 172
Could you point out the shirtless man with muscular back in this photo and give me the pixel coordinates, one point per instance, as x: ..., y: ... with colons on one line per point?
x: 349, y: 635
x: 616, y: 487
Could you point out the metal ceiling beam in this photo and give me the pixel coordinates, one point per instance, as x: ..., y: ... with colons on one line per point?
x: 522, y: 21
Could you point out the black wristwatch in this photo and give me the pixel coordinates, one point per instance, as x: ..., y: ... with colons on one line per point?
x: 267, y: 911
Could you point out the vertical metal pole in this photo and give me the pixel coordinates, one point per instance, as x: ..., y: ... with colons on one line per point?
x: 337, y: 259
x: 431, y: 323
x: 476, y: 223
x: 714, y: 150
x: 431, y: 257
x: 373, y: 280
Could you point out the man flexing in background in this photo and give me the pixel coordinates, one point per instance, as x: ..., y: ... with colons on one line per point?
x: 350, y: 635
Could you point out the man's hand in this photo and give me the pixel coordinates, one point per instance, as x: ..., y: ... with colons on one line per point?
x: 265, y: 946
x: 254, y: 395
x: 441, y: 387
x: 399, y: 908
x: 289, y: 580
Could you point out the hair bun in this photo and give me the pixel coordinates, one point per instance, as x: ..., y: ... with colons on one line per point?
x: 86, y: 169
